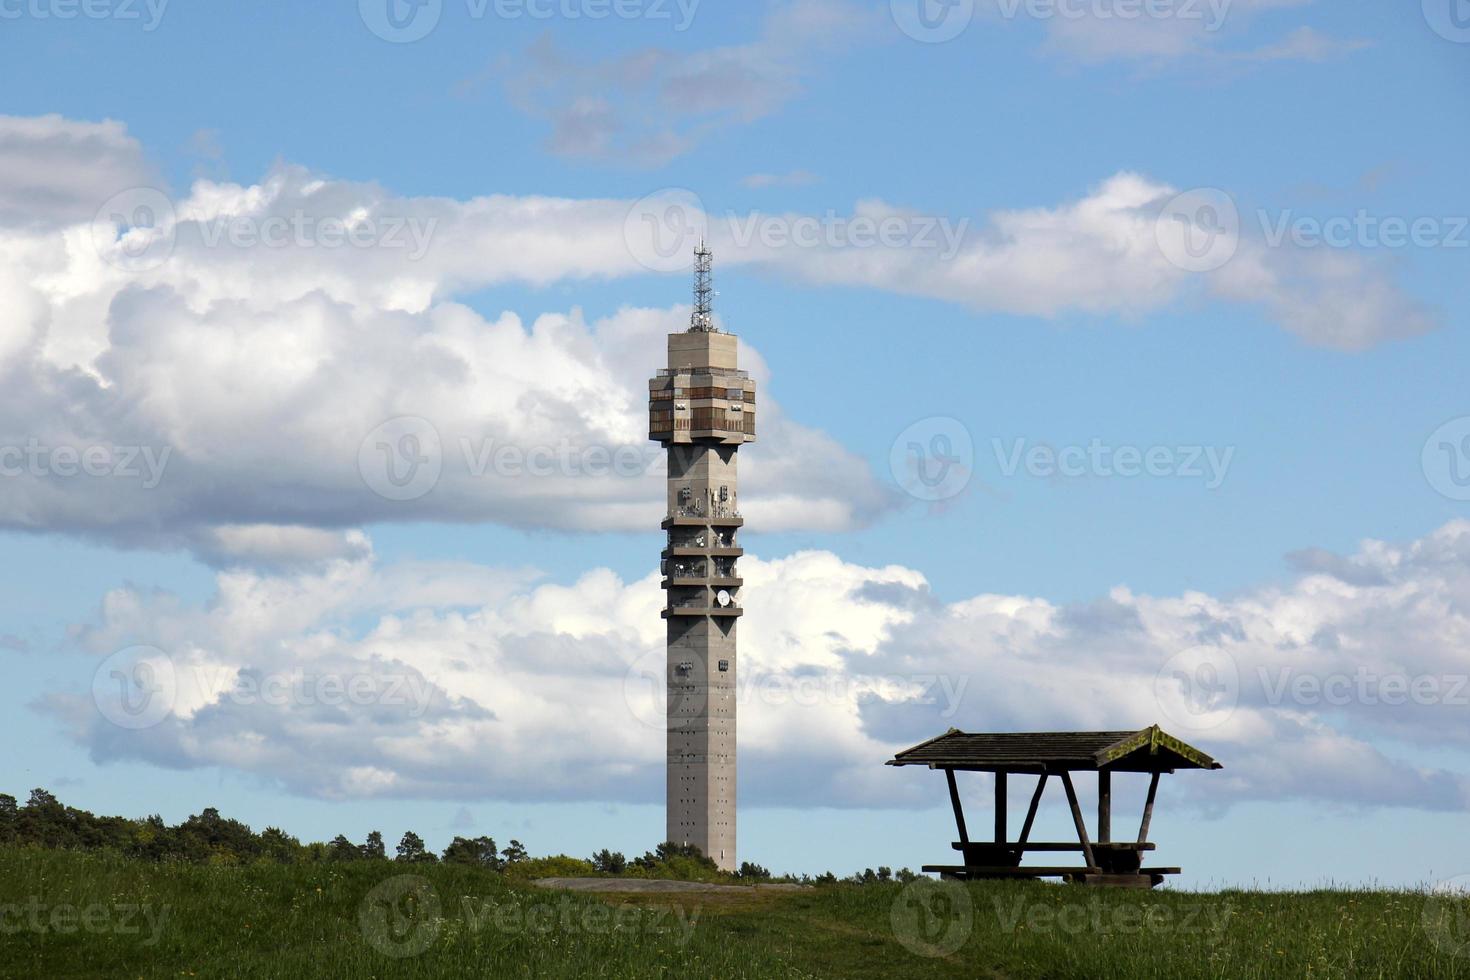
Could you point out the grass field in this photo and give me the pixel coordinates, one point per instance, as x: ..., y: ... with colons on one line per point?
x: 67, y: 914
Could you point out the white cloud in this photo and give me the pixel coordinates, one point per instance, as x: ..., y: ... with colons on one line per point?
x: 229, y: 365
x: 538, y: 690
x: 1099, y: 254
x: 233, y: 381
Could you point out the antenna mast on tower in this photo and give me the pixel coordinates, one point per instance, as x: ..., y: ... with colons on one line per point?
x: 702, y: 319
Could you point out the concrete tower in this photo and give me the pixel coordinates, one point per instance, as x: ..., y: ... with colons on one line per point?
x: 701, y: 408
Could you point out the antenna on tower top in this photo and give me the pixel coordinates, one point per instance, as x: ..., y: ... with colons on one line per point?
x: 702, y: 319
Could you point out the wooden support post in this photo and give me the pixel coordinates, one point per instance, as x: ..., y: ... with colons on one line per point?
x: 1000, y: 808
x: 1148, y: 809
x: 1104, y: 806
x: 954, y: 801
x: 1031, y: 813
x: 1077, y: 818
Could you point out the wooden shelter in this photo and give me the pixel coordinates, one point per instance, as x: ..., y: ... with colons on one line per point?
x: 1046, y: 754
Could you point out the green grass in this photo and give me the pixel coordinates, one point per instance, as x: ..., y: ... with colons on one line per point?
x: 332, y: 920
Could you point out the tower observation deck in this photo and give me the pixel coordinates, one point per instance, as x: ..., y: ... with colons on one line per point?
x: 701, y: 408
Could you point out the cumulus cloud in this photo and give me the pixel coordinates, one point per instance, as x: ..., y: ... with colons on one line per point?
x: 236, y: 377
x: 292, y: 354
x: 511, y: 687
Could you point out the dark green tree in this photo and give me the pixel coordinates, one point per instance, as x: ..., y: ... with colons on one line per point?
x: 373, y: 849
x: 342, y: 849
x: 411, y: 849
x: 753, y: 872
x: 279, y: 846
x: 478, y: 851
x: 610, y: 862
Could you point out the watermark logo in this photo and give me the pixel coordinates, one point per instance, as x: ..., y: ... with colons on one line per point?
x: 135, y: 688
x: 1446, y: 459
x: 658, y: 701
x: 1199, y: 688
x: 1446, y: 915
x: 932, y: 918
x: 661, y: 230
x: 1199, y: 230
x: 932, y: 21
x: 401, y: 917
x: 400, y: 21
x: 136, y: 229
x: 402, y: 459
x: 933, y: 459
x: 1450, y: 19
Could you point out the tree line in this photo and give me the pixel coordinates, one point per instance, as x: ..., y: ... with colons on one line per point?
x: 208, y: 838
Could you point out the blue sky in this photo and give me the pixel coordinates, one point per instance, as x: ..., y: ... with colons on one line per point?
x: 1060, y: 143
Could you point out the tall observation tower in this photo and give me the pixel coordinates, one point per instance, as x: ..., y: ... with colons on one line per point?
x: 701, y: 408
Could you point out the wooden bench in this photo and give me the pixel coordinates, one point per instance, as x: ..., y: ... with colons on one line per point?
x: 1141, y: 878
x: 1114, y: 857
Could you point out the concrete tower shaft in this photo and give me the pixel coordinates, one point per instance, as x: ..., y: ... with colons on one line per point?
x: 701, y: 408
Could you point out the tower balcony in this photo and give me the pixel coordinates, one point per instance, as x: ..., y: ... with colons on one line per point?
x: 719, y: 612
x: 699, y: 520
x: 700, y: 551
x: 710, y: 581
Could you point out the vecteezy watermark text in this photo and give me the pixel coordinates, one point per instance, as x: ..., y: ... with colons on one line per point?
x: 653, y: 696
x: 138, y: 687
x: 403, y: 916
x: 139, y: 228
x: 937, y: 21
x: 145, y: 464
x: 1210, y: 14
x: 1097, y: 917
x: 936, y: 918
x: 405, y: 21
x: 94, y: 918
x: 307, y: 231
x: 1201, y: 230
x: 150, y: 12
x: 662, y: 229
x: 1200, y: 688
x: 404, y: 458
x: 1208, y: 463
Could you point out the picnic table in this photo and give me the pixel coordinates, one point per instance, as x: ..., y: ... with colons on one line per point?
x: 1105, y: 861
